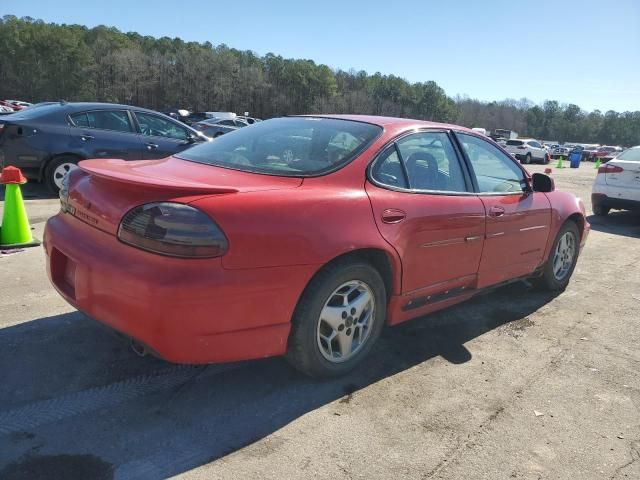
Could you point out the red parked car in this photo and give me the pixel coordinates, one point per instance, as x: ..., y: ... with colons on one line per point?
x: 304, y: 236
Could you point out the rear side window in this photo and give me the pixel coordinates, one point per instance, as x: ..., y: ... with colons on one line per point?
x: 388, y: 169
x: 495, y: 172
x: 514, y: 143
x: 116, y: 120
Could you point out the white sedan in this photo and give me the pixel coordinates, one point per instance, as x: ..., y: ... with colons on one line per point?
x: 617, y: 184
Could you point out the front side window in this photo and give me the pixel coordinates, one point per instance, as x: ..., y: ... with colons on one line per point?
x: 291, y: 146
x: 116, y: 120
x: 431, y: 162
x: 154, y: 126
x: 495, y: 172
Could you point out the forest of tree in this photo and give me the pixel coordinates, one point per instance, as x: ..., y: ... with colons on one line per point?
x: 45, y: 61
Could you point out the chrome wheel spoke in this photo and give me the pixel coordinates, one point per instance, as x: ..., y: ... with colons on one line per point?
x: 333, y: 316
x: 345, y: 341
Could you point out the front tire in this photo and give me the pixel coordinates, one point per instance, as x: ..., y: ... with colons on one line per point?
x: 601, y: 210
x: 57, y: 169
x: 338, y: 319
x: 562, y: 260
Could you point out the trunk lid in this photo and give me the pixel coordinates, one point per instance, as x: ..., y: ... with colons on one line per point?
x: 628, y: 178
x: 102, y: 191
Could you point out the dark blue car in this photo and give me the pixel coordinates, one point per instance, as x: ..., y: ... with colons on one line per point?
x: 46, y: 140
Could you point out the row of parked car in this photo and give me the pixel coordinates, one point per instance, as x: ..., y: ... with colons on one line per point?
x: 10, y: 106
x: 530, y: 150
x: 46, y: 140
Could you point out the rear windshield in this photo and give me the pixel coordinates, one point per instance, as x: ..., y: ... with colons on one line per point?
x: 34, y: 111
x: 632, y: 155
x: 514, y: 142
x: 291, y: 146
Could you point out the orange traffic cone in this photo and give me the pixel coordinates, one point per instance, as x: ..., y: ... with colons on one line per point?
x: 15, y: 231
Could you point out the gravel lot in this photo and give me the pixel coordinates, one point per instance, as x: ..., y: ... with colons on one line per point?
x: 513, y: 384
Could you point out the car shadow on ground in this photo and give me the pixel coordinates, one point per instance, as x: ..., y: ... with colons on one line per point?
x: 617, y: 223
x: 75, y: 401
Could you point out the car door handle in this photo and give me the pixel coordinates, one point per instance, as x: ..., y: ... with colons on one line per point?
x: 152, y: 146
x: 86, y: 138
x: 393, y: 215
x: 496, y: 211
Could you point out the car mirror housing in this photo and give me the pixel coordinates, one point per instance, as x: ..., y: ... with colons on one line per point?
x: 542, y: 183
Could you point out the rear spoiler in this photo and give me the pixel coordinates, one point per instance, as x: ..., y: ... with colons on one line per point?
x: 132, y: 173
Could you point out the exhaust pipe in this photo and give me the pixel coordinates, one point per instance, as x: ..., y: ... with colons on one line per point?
x: 138, y: 348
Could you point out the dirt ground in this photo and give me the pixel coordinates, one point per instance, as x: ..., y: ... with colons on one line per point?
x: 512, y: 384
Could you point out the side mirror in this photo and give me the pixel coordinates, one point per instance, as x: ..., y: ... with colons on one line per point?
x: 542, y: 183
x: 191, y: 138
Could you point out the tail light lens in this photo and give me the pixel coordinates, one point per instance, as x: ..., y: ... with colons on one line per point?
x: 173, y: 229
x: 610, y: 169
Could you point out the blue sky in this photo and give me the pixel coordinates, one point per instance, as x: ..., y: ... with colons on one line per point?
x: 585, y: 52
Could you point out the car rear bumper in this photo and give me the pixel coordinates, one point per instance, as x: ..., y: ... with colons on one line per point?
x: 604, y: 200
x: 185, y: 310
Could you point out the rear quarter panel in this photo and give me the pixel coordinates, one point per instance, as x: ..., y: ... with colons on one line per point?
x: 308, y: 225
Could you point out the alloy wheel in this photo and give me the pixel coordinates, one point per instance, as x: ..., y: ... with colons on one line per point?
x: 60, y: 171
x: 564, y: 256
x: 346, y: 321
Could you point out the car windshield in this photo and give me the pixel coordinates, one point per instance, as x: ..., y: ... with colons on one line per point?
x: 631, y: 155
x: 290, y: 146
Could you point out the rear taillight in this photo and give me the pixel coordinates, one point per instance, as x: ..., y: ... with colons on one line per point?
x: 173, y: 229
x: 610, y: 169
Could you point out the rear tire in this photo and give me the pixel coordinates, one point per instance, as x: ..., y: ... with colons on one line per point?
x: 325, y: 312
x: 56, y: 169
x: 527, y: 159
x: 559, y: 267
x: 601, y: 210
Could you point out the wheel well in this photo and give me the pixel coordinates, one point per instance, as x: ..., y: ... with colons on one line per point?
x: 579, y: 221
x: 373, y: 256
x: 44, y: 166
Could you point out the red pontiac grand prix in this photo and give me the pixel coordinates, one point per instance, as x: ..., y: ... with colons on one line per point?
x: 303, y: 236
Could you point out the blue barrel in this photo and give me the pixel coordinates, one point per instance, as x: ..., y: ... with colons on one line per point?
x: 575, y: 158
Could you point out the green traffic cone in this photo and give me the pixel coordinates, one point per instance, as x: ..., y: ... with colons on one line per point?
x: 15, y: 231
x: 597, y: 163
x: 559, y: 164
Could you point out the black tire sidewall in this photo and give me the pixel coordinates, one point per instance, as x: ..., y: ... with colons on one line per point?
x: 549, y: 279
x: 601, y: 210
x: 527, y: 159
x: 304, y: 352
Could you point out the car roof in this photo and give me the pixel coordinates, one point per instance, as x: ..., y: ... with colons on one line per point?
x: 393, y: 121
x: 77, y: 106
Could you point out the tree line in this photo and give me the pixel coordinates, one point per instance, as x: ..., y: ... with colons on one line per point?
x: 46, y: 61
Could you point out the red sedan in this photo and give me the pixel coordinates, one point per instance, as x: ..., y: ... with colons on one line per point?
x: 303, y: 236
